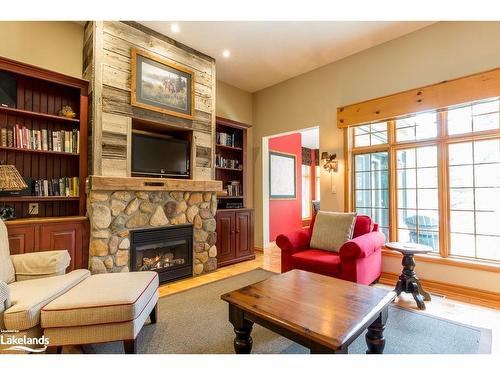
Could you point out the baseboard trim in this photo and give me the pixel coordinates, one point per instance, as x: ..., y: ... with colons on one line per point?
x: 258, y: 249
x: 456, y: 292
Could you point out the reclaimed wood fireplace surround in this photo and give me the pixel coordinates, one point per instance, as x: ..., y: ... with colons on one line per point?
x: 118, y: 203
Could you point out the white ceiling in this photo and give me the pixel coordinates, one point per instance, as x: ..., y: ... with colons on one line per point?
x: 264, y: 53
x: 310, y: 138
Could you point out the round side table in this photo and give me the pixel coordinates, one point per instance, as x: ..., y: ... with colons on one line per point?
x: 408, y: 281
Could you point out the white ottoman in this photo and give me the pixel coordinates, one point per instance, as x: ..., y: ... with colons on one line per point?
x: 102, y: 308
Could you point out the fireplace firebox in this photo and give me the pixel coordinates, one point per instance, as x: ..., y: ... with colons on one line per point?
x: 166, y: 250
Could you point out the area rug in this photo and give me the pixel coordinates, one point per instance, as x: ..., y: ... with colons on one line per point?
x: 196, y: 321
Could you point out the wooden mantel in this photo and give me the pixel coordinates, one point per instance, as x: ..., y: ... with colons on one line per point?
x: 95, y: 183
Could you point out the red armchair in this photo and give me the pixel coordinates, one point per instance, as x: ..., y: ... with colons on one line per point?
x: 358, y: 260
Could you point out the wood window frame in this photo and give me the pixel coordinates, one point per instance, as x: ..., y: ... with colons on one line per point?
x: 487, y: 84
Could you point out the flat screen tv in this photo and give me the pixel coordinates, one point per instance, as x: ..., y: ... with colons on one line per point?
x: 159, y: 156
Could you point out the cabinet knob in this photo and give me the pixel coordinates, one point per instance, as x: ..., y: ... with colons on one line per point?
x: 232, y: 232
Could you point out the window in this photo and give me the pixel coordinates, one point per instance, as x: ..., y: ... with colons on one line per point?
x: 474, y: 117
x: 370, y: 135
x: 417, y: 127
x: 474, y: 180
x: 417, y: 199
x: 306, y: 191
x: 371, y: 187
x: 435, y: 176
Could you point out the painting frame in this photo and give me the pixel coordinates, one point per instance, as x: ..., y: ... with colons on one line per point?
x: 272, y: 181
x: 138, y: 99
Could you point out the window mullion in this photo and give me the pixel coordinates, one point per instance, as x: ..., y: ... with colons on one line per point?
x: 443, y: 191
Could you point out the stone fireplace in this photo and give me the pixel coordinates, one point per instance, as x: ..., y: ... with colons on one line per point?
x: 118, y: 203
x: 149, y: 203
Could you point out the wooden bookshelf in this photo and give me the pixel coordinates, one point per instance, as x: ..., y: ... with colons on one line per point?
x: 235, y: 225
x: 234, y: 150
x: 37, y: 115
x: 40, y: 95
x: 229, y: 147
x: 230, y: 169
x: 47, y: 152
x: 31, y: 198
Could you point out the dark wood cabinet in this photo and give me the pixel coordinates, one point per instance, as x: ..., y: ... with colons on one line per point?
x: 65, y: 233
x: 234, y: 236
x: 21, y: 238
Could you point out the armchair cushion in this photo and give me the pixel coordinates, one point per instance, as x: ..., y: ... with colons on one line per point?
x: 30, y: 296
x: 332, y: 229
x: 318, y: 261
x: 40, y: 264
x: 294, y: 240
x: 364, y: 224
x: 362, y: 246
x: 7, y: 274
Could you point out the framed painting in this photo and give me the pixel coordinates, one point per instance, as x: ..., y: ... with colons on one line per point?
x: 161, y: 86
x: 282, y: 175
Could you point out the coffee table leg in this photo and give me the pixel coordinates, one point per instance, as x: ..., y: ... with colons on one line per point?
x: 242, y: 328
x: 375, y: 336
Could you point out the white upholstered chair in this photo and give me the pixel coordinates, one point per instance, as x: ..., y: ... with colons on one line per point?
x: 28, y: 282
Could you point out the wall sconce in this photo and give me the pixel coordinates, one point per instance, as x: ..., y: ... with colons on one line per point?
x: 330, y: 164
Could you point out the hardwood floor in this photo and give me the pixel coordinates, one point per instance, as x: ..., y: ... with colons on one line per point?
x: 440, y: 306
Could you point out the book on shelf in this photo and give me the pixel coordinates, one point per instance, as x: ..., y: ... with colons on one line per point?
x: 57, y: 187
x: 234, y: 189
x: 226, y: 139
x: 3, y: 137
x: 19, y: 136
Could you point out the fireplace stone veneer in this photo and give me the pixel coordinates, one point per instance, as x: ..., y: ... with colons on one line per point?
x: 113, y: 214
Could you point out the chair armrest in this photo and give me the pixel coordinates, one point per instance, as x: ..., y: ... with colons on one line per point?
x: 40, y: 264
x: 291, y: 242
x: 362, y: 246
x: 4, y: 298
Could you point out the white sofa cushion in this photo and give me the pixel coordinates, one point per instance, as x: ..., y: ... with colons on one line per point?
x: 30, y: 296
x: 332, y: 229
x: 6, y: 268
x: 40, y: 264
x: 103, y: 298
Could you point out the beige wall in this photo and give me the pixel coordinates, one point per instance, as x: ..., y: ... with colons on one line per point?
x: 235, y: 104
x: 438, y: 52
x: 52, y: 45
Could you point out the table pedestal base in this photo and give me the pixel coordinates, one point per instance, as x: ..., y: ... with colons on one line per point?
x: 409, y: 282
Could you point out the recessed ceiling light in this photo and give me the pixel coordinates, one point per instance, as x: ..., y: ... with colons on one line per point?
x: 175, y: 28
x: 226, y: 53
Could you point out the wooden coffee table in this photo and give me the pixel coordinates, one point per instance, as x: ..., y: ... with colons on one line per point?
x: 319, y: 312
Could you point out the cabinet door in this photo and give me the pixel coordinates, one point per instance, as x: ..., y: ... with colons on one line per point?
x: 225, y: 237
x: 21, y: 238
x: 64, y: 236
x: 244, y: 233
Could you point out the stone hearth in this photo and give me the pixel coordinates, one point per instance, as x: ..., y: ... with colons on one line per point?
x: 113, y: 213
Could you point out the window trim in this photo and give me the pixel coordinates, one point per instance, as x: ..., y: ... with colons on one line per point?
x: 441, y: 141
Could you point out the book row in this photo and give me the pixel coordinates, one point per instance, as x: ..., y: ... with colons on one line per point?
x: 41, y: 139
x: 226, y: 139
x: 57, y: 187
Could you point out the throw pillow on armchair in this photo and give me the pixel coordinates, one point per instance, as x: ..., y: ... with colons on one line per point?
x: 332, y: 229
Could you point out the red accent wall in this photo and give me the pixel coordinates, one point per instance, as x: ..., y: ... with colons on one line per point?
x: 286, y: 215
